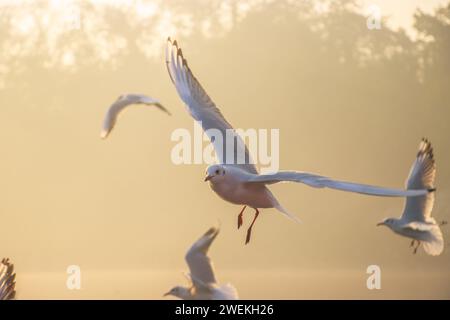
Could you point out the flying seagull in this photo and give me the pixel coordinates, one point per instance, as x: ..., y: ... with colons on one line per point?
x: 416, y: 221
x: 203, y: 281
x: 238, y: 182
x: 123, y: 102
x: 7, y: 280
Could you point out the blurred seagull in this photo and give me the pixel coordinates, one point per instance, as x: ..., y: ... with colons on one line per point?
x: 123, y: 102
x: 203, y: 282
x: 416, y: 221
x: 7, y: 280
x: 238, y: 182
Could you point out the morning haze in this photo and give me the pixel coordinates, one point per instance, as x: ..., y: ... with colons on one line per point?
x: 350, y: 103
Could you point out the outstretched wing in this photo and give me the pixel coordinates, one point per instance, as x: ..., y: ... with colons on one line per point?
x: 317, y: 181
x: 200, y: 266
x: 202, y: 109
x: 123, y: 102
x: 7, y: 280
x: 421, y: 176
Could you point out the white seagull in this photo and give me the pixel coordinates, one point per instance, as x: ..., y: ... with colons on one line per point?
x: 7, y: 280
x: 203, y: 281
x: 240, y: 183
x: 416, y: 221
x: 123, y: 102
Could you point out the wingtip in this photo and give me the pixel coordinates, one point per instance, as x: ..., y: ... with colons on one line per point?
x: 162, y: 108
x: 431, y: 190
x: 6, y: 261
x: 211, y: 231
x: 425, y: 147
x: 104, y: 134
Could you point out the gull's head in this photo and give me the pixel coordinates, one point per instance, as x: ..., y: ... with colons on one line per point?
x: 179, y: 292
x: 215, y: 173
x: 388, y: 222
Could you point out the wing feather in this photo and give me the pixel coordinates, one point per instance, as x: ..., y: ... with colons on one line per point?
x: 7, y: 280
x: 421, y: 176
x: 203, y: 110
x: 200, y: 265
x: 121, y: 104
x: 317, y: 181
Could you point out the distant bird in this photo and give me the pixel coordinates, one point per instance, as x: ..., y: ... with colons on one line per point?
x: 123, y: 102
x: 416, y: 221
x: 7, y: 280
x: 236, y: 179
x: 203, y: 281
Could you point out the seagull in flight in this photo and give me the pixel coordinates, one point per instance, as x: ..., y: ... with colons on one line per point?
x: 123, y: 102
x: 7, y: 280
x: 238, y: 182
x: 203, y: 281
x: 416, y: 221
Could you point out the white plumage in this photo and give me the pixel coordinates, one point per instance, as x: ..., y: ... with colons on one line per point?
x: 236, y: 179
x: 416, y: 221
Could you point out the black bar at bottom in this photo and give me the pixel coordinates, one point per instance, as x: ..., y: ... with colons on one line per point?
x: 240, y: 309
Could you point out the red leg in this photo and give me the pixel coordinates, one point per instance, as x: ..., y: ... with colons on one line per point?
x: 249, y: 231
x: 240, y: 221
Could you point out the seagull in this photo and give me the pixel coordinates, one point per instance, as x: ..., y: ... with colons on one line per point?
x: 7, y: 280
x: 203, y: 281
x: 123, y: 102
x: 416, y: 221
x: 238, y: 182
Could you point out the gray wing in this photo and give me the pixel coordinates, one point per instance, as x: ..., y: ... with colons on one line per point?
x: 317, y: 181
x: 123, y: 102
x: 200, y: 266
x: 7, y: 280
x: 421, y: 176
x: 203, y: 110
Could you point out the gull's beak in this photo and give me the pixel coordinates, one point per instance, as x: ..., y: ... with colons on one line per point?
x: 166, y: 294
x: 208, y: 178
x: 380, y: 224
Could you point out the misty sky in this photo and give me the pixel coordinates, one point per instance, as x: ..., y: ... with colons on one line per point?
x: 349, y: 102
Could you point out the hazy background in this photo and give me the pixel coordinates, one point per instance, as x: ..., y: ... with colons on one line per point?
x: 350, y: 103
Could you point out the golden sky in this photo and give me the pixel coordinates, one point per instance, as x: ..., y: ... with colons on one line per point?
x: 123, y: 212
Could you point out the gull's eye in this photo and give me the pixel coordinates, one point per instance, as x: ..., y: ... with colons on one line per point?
x: 217, y: 171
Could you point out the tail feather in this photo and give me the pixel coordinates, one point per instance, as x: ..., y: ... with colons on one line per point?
x: 228, y: 292
x: 278, y: 206
x: 287, y: 214
x: 435, y: 245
